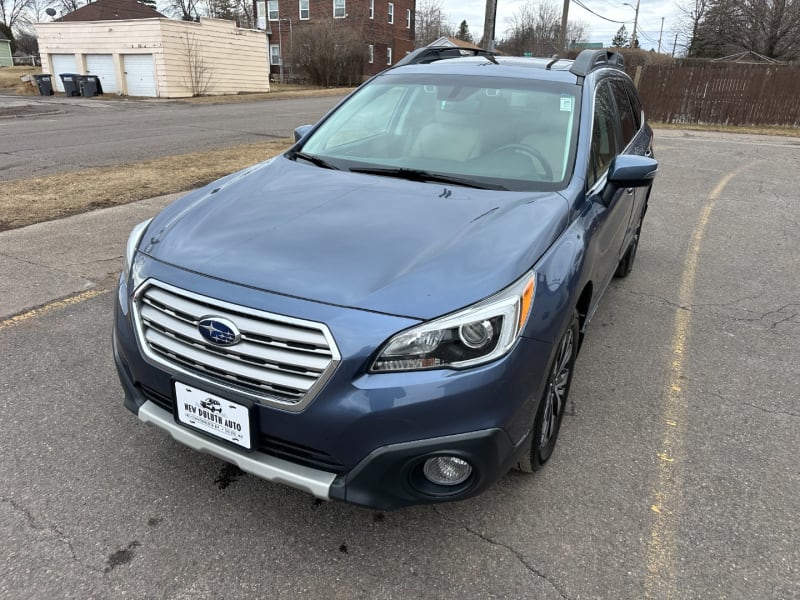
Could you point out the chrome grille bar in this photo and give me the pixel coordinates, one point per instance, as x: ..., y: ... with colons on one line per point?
x: 280, y: 360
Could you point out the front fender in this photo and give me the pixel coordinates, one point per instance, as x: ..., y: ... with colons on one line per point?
x: 561, y: 276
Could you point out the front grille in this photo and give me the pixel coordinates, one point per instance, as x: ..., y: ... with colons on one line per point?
x: 279, y: 360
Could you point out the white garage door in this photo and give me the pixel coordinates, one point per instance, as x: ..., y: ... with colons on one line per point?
x: 61, y: 63
x: 140, y: 77
x: 102, y: 65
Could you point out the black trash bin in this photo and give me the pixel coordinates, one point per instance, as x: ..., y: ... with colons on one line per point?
x: 45, y: 84
x: 89, y: 85
x: 70, y: 81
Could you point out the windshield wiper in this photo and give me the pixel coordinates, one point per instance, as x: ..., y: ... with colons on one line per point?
x: 315, y: 160
x: 427, y: 177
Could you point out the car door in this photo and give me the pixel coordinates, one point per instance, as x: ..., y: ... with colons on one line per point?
x: 613, y: 211
x: 628, y: 129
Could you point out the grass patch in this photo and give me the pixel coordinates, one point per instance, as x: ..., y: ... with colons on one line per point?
x: 10, y: 80
x: 277, y: 91
x: 28, y: 201
x: 779, y: 130
x: 10, y: 76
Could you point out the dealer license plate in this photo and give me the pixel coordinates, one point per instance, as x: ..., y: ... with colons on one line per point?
x: 220, y: 417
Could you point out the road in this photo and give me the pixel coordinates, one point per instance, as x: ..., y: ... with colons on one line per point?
x: 54, y: 134
x: 675, y: 475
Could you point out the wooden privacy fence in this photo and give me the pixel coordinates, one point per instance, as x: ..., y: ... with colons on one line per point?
x: 720, y: 93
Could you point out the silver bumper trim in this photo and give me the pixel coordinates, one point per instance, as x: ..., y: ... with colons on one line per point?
x: 261, y: 465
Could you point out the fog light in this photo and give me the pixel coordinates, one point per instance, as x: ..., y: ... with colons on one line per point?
x: 447, y: 470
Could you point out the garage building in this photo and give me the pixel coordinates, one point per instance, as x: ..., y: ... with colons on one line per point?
x: 136, y: 51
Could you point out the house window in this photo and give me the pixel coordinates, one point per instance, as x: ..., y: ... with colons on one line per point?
x: 371, y: 53
x: 338, y: 9
x: 274, y: 54
x: 371, y: 9
x: 304, y: 13
x: 408, y: 19
x: 389, y: 55
x: 391, y: 12
x: 272, y: 10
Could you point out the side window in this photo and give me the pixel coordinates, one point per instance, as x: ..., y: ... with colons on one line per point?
x: 605, y: 145
x: 637, y: 105
x: 627, y: 120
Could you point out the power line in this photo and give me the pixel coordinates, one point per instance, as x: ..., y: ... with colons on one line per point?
x: 584, y: 7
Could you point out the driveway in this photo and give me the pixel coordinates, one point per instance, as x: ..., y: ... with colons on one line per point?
x: 675, y: 475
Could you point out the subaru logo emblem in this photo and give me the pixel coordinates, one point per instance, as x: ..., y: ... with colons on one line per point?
x: 219, y: 331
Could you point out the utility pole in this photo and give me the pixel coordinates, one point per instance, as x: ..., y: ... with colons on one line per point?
x: 675, y: 45
x: 488, y: 24
x: 660, y: 34
x: 634, y: 41
x: 562, y: 35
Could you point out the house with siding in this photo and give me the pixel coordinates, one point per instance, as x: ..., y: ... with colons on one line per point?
x: 137, y: 51
x: 6, y: 59
x: 385, y: 27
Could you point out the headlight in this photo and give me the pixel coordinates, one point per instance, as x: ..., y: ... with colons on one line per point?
x: 133, y: 243
x: 469, y: 337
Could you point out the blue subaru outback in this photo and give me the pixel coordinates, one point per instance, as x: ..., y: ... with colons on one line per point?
x: 390, y: 312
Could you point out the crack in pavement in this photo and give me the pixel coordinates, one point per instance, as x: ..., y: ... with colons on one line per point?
x: 757, y: 315
x: 91, y: 262
x: 756, y: 406
x: 60, y: 536
x: 517, y: 554
x: 772, y: 412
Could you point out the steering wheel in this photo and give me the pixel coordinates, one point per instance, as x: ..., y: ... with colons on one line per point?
x: 532, y: 153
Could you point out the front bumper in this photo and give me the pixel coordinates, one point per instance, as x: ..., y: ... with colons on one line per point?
x: 389, y: 477
x: 371, y: 433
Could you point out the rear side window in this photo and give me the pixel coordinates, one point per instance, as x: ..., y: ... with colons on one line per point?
x: 627, y: 119
x: 638, y: 111
x: 605, y: 144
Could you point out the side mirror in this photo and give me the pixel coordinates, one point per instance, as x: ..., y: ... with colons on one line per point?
x: 631, y: 171
x: 301, y: 132
x: 628, y: 171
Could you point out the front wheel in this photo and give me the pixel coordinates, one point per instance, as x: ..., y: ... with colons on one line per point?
x: 546, y: 425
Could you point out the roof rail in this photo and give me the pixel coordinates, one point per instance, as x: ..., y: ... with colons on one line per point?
x: 429, y: 54
x: 589, y: 60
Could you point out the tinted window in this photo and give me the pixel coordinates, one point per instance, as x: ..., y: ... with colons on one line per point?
x: 627, y: 120
x: 605, y: 145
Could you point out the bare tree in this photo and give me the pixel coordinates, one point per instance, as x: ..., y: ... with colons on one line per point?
x: 68, y: 6
x: 692, y: 14
x: 246, y: 18
x: 768, y: 27
x: 329, y: 53
x: 12, y: 11
x: 430, y: 23
x: 535, y: 28
x: 36, y: 10
x: 198, y: 70
x: 220, y: 9
x: 185, y: 10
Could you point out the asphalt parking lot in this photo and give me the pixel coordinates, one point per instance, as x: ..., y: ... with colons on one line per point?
x: 675, y: 474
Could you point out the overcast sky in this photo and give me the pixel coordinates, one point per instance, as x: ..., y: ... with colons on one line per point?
x: 649, y: 26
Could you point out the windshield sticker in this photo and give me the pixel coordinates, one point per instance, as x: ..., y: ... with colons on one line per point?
x: 566, y: 104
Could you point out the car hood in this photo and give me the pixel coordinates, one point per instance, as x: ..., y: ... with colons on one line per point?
x: 362, y: 241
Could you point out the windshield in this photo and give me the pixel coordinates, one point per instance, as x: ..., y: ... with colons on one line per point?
x: 492, y: 132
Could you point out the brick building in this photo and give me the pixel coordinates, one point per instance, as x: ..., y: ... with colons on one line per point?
x: 386, y: 27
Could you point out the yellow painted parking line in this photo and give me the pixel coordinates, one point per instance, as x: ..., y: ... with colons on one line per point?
x: 47, y: 308
x: 667, y: 497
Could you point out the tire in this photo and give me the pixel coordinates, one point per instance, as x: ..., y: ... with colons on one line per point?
x: 625, y: 265
x: 544, y: 434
